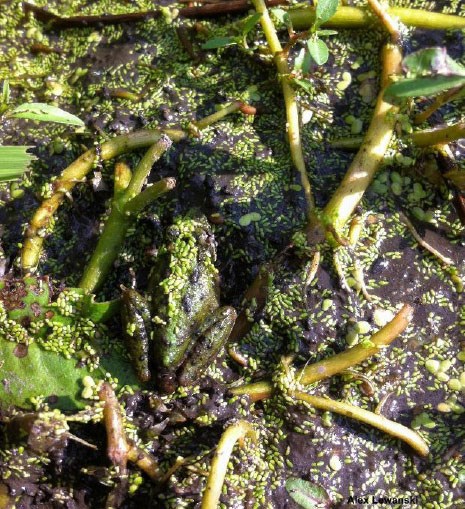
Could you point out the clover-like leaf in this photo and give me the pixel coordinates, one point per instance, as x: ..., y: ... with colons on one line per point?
x: 325, y: 10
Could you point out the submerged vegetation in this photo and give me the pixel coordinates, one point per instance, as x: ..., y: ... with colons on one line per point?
x: 345, y: 270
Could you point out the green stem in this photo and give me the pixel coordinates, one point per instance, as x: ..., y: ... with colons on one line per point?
x: 140, y: 174
x: 74, y: 173
x: 361, y: 17
x: 292, y: 111
x: 339, y: 362
x: 368, y: 159
x: 118, y: 222
x: 235, y: 432
x: 147, y: 196
x: 378, y: 421
x: 218, y: 115
x: 439, y: 136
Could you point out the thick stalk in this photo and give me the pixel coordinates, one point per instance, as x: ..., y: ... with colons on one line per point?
x: 119, y: 220
x: 147, y: 196
x: 368, y: 159
x: 235, y: 432
x: 75, y: 173
x: 339, y: 362
x: 361, y: 17
x: 377, y: 421
x: 292, y: 111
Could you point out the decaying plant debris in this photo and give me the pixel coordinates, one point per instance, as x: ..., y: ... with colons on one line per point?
x: 352, y: 320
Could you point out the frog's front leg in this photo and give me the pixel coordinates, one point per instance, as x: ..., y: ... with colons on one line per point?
x: 208, y: 341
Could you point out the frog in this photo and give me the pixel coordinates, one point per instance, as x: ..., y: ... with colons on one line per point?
x: 182, y: 328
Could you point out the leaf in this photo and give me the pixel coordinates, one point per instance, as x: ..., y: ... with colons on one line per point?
x: 303, y: 61
x: 219, y: 42
x: 100, y: 312
x: 424, y: 87
x: 431, y: 61
x: 5, y: 92
x: 45, y: 373
x: 282, y: 16
x: 457, y: 177
x: 325, y: 10
x: 250, y: 22
x: 318, y: 50
x: 326, y: 32
x: 308, y: 495
x: 45, y: 113
x: 14, y: 161
x: 306, y: 85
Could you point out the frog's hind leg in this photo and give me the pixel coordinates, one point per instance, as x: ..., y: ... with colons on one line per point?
x: 210, y: 340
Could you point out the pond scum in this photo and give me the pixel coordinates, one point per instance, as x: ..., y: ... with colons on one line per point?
x: 238, y: 171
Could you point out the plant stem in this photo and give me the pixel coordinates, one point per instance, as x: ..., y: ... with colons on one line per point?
x: 360, y: 17
x: 391, y: 24
x: 339, y: 362
x: 378, y: 421
x: 218, y: 115
x: 358, y: 353
x: 147, y: 196
x: 119, y: 220
x: 292, y: 112
x: 75, y: 173
x: 235, y: 432
x: 438, y: 136
x: 440, y: 100
x: 371, y: 153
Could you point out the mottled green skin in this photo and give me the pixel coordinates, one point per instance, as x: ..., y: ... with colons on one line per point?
x: 188, y: 324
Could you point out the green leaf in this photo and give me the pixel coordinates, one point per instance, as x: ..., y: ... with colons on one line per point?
x: 306, y: 85
x: 423, y: 87
x: 325, y: 10
x: 14, y: 161
x: 46, y: 113
x: 318, y: 50
x: 99, y: 312
x: 282, y: 16
x: 45, y: 373
x: 326, y: 32
x: 431, y: 61
x: 308, y: 495
x: 250, y: 22
x: 219, y: 42
x: 303, y: 61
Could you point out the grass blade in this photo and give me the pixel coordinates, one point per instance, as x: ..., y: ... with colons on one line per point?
x: 14, y: 161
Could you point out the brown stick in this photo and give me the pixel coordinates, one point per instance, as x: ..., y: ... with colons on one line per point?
x: 222, y: 8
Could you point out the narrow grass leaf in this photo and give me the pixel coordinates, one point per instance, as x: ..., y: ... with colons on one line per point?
x: 250, y: 22
x: 46, y: 113
x: 219, y: 42
x: 14, y: 161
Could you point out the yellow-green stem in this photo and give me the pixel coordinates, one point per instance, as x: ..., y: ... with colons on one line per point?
x: 147, y: 196
x: 439, y: 136
x: 235, y: 432
x: 339, y: 362
x: 378, y: 421
x: 371, y: 153
x: 292, y: 111
x: 74, y: 173
x: 361, y: 17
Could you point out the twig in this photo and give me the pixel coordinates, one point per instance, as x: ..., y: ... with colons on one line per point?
x: 371, y: 153
x: 222, y: 8
x: 55, y: 21
x: 378, y: 421
x: 360, y: 17
x: 339, y: 362
x: 444, y: 259
x: 292, y: 111
x: 235, y: 432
